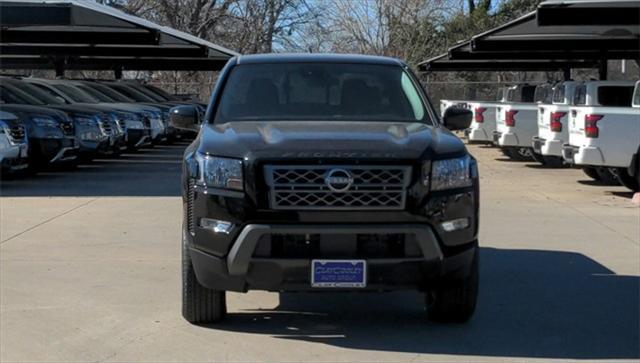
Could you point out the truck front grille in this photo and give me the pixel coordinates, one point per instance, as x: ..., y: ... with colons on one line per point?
x: 105, y: 125
x: 328, y: 187
x: 17, y: 134
x: 67, y: 128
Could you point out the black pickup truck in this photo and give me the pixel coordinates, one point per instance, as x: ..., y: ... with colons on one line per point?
x: 327, y: 173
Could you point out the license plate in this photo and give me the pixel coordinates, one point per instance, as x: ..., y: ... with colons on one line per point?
x: 339, y: 273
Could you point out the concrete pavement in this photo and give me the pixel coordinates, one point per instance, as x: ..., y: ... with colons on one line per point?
x: 90, y: 271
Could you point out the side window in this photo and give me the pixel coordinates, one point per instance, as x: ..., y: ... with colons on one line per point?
x: 412, y: 95
x: 580, y: 97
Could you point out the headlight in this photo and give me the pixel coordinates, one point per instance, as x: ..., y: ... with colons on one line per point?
x: 219, y: 172
x: 44, y: 122
x: 451, y: 173
x: 85, y: 121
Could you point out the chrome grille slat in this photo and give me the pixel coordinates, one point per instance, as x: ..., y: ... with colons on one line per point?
x: 190, y: 199
x: 303, y: 187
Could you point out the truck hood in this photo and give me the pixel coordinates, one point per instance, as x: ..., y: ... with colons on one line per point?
x: 327, y: 140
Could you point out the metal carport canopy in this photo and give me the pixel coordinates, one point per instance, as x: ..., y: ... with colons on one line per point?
x: 442, y: 63
x: 523, y: 45
x: 589, y: 12
x: 76, y: 34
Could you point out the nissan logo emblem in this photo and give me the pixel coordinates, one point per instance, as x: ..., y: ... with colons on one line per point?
x: 338, y: 180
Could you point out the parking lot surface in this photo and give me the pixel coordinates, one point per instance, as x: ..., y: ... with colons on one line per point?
x: 90, y: 271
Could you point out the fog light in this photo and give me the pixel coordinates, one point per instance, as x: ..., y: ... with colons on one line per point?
x: 216, y: 225
x: 455, y: 224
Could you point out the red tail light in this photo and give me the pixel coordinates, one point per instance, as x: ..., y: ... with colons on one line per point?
x: 556, y: 123
x: 479, y: 114
x: 591, y: 125
x: 510, y: 118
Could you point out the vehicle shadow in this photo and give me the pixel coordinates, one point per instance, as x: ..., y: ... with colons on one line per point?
x: 625, y: 195
x: 596, y: 183
x: 145, y: 173
x: 533, y: 303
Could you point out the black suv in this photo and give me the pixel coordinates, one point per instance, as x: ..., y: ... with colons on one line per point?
x: 327, y: 173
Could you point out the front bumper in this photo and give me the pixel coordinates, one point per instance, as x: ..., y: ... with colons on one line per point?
x: 246, y: 268
x: 53, y: 150
x: 583, y: 155
x: 239, y: 261
x: 14, y: 158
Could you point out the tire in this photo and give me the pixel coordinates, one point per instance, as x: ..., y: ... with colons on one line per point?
x: 454, y: 300
x: 200, y: 305
x: 608, y: 176
x: 519, y: 153
x: 591, y: 173
x: 631, y: 182
x: 538, y: 157
x: 554, y: 161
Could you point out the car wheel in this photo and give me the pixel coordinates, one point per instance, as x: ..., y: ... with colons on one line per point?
x: 538, y: 157
x: 591, y: 173
x: 554, y: 162
x: 454, y: 300
x: 608, y: 176
x: 199, y: 304
x: 631, y: 182
x: 519, y: 153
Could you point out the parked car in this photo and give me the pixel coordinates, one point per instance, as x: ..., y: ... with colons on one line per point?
x: 137, y: 120
x: 483, y: 123
x: 72, y: 95
x: 51, y: 135
x: 92, y: 128
x: 348, y: 183
x: 161, y: 122
x: 516, y: 122
x: 13, y: 144
x: 553, y: 130
x: 604, y: 130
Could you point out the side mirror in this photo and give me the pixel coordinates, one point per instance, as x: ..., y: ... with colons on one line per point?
x: 185, y: 118
x: 457, y: 118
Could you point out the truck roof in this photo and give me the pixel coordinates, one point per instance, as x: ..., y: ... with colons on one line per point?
x: 317, y: 58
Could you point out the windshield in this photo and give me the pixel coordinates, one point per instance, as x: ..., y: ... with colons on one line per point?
x: 111, y: 93
x: 320, y: 92
x: 75, y: 94
x: 138, y: 87
x: 10, y: 94
x: 42, y: 97
x: 615, y: 96
x: 132, y: 93
x: 161, y: 92
x: 95, y: 94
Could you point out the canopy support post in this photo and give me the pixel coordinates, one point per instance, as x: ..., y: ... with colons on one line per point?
x: 602, y: 70
x: 59, y: 65
x: 117, y: 72
x: 567, y: 73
